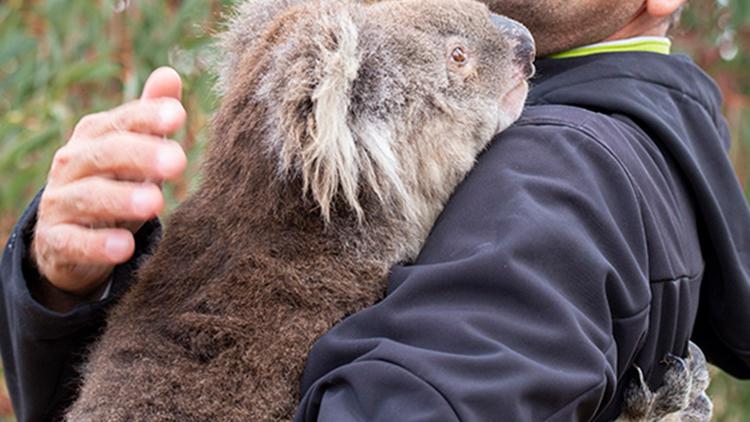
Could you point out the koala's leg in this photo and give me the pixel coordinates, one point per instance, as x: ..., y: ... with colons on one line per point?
x: 682, y: 397
x: 153, y: 380
x: 141, y: 371
x: 128, y: 378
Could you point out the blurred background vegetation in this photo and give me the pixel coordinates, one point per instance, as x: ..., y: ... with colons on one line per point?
x: 61, y: 59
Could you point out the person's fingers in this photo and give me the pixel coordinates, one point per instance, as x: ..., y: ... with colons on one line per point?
x: 154, y: 116
x: 61, y: 245
x: 116, y: 144
x: 96, y: 200
x: 125, y: 155
x: 163, y: 82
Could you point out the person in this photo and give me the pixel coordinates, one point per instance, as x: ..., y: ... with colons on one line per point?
x: 602, y: 232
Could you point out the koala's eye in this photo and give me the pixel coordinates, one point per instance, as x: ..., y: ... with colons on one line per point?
x: 458, y: 55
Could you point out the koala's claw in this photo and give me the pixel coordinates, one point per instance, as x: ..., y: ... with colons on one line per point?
x: 673, y: 360
x: 699, y: 369
x: 638, y: 399
x: 682, y: 397
x: 674, y: 394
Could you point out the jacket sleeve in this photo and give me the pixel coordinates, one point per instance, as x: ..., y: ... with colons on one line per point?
x: 42, y: 349
x: 527, y: 302
x: 722, y: 326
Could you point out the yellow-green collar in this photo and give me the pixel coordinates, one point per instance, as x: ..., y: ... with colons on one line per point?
x: 660, y: 45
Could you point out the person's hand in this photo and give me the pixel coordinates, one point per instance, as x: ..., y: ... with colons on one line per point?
x: 103, y: 185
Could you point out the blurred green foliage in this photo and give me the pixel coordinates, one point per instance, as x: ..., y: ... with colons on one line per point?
x: 61, y: 59
x: 716, y: 33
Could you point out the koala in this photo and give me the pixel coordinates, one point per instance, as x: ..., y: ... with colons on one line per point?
x: 343, y: 129
x: 682, y: 397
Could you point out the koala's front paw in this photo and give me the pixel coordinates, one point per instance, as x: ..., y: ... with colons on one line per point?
x: 682, y: 396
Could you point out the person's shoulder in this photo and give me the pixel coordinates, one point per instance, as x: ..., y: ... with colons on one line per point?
x: 598, y: 139
x: 551, y: 181
x: 552, y: 132
x: 575, y: 122
x: 553, y: 158
x: 557, y: 114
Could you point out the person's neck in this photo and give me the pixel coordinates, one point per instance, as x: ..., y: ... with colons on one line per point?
x: 642, y: 25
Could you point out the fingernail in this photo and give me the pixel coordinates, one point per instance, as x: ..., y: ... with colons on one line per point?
x: 170, y: 112
x: 143, y: 201
x: 117, y: 247
x: 171, y: 160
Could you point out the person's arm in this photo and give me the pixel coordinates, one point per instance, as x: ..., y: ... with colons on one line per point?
x: 722, y: 326
x: 67, y: 250
x: 42, y: 348
x: 519, y: 308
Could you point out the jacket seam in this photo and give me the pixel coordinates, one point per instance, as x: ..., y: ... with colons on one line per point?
x: 678, y: 278
x: 583, y: 128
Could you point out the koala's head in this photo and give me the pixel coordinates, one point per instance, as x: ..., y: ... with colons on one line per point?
x: 388, y: 100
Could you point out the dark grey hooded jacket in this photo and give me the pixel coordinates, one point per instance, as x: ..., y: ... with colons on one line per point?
x: 605, y: 229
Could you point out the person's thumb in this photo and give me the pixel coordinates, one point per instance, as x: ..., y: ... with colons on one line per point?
x: 163, y: 82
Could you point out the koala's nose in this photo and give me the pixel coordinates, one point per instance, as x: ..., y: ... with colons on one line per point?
x: 525, y: 48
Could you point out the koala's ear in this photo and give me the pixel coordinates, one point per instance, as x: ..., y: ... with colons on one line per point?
x: 244, y: 26
x: 307, y: 65
x: 329, y: 155
x: 307, y: 91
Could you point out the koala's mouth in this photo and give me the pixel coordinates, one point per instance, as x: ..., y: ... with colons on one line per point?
x: 516, y: 96
x: 529, y: 70
x: 511, y: 104
x: 519, y: 91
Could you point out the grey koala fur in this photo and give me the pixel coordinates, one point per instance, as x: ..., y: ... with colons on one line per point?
x: 343, y: 129
x: 682, y: 397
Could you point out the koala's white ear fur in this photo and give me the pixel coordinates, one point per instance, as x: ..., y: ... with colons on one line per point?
x: 307, y: 92
x: 330, y: 157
